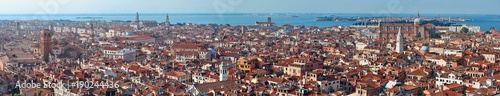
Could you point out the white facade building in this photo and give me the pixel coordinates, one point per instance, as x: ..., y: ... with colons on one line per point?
x: 445, y: 78
x: 452, y: 51
x: 457, y: 28
x: 115, y: 53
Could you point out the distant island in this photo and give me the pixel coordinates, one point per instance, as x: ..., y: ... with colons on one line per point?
x: 89, y: 17
x: 385, y: 19
x: 336, y: 19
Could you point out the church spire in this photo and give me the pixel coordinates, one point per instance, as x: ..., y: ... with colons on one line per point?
x: 223, y: 70
x: 167, y: 20
x: 418, y: 14
x: 399, y: 41
x: 46, y: 44
x: 137, y: 16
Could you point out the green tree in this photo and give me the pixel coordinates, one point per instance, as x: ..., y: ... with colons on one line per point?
x: 455, y: 59
x: 97, y: 72
x: 492, y: 28
x: 39, y: 93
x: 464, y: 30
x: 487, y: 32
x: 259, y: 75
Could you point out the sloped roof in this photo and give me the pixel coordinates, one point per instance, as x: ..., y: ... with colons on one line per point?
x: 206, y: 87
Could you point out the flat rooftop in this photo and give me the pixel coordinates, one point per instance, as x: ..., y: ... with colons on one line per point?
x: 19, y: 54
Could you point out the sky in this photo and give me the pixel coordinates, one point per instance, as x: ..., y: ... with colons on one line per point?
x: 249, y: 6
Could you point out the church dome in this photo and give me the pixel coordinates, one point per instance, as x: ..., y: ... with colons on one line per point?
x: 424, y: 49
x: 416, y: 21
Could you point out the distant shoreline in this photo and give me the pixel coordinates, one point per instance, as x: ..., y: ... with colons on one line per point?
x: 306, y: 19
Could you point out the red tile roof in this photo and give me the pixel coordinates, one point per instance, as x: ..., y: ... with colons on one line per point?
x: 112, y: 48
x: 140, y: 38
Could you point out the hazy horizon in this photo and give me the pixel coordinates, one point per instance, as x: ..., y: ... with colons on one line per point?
x: 249, y: 6
x: 239, y: 13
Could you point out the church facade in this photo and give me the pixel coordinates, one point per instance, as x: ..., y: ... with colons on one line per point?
x: 411, y: 30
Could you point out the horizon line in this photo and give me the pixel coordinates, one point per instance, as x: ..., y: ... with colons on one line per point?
x: 249, y: 13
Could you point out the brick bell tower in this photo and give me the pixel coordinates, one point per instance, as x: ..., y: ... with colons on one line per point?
x: 45, y: 44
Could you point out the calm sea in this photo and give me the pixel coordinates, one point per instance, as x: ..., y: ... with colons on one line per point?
x: 307, y: 19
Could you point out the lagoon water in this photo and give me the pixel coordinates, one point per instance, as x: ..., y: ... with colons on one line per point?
x: 307, y: 19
